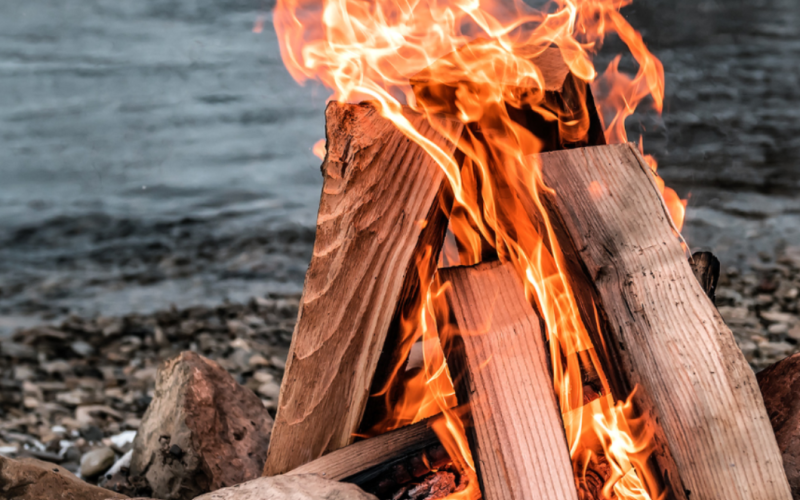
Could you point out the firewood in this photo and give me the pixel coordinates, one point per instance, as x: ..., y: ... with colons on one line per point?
x: 563, y: 94
x: 705, y: 267
x: 379, y: 213
x: 500, y: 366
x: 694, y: 385
x: 363, y: 455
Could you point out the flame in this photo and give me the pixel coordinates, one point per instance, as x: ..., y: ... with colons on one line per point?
x: 476, y: 60
x: 319, y: 149
x: 621, y: 95
x: 258, y: 25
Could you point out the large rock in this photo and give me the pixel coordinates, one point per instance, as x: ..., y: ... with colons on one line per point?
x: 202, y: 431
x: 32, y: 479
x: 299, y: 487
x: 780, y: 386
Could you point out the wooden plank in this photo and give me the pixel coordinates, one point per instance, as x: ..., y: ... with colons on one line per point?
x: 670, y: 339
x: 501, y: 368
x: 362, y: 455
x: 379, y: 211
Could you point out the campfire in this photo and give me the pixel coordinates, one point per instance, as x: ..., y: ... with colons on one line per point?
x: 500, y: 303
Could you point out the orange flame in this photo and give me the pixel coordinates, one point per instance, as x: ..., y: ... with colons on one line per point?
x: 474, y: 60
x: 319, y: 149
x: 621, y: 96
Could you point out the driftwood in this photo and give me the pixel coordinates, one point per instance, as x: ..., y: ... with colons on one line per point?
x: 705, y: 267
x: 379, y: 211
x: 712, y: 433
x: 501, y: 369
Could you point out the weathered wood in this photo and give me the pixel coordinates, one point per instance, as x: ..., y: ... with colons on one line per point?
x: 672, y: 342
x: 501, y: 367
x: 379, y: 195
x: 363, y: 455
x: 705, y: 267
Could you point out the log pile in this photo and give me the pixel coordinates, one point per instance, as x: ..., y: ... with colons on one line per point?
x: 656, y: 333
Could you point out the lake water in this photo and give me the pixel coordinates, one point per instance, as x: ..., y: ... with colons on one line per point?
x: 157, y: 152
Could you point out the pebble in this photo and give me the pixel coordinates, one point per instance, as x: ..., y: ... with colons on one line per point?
x: 97, y: 462
x: 68, y: 388
x: 760, y: 305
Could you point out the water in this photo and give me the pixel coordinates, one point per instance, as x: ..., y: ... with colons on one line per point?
x: 156, y: 151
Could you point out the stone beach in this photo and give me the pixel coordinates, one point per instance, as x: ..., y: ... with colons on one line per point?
x: 75, y: 393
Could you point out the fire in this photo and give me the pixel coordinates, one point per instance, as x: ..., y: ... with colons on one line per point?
x: 474, y: 60
x: 319, y: 149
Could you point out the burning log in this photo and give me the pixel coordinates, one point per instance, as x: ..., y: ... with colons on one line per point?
x: 501, y: 368
x: 361, y: 456
x: 714, y: 439
x: 380, y: 212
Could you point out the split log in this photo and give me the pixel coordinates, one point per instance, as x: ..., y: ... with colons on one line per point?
x: 692, y: 378
x: 705, y: 267
x: 379, y: 213
x: 373, y: 452
x: 500, y: 366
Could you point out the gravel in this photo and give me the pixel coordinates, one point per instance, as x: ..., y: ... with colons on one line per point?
x: 77, y: 391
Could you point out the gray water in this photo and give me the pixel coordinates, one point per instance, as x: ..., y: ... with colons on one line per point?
x: 156, y: 152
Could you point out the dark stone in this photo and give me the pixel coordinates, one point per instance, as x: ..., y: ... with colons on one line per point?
x: 92, y: 433
x: 780, y: 387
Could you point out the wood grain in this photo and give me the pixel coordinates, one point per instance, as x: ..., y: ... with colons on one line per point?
x: 693, y: 379
x: 362, y: 455
x: 501, y: 368
x: 379, y: 191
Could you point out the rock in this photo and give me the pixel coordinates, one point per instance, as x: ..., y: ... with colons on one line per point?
x: 779, y: 317
x: 81, y: 348
x: 97, y: 462
x: 299, y: 487
x: 270, y: 390
x: 780, y: 387
x: 775, y: 349
x: 202, y: 431
x: 86, y: 414
x: 92, y: 433
x: 32, y: 479
x: 748, y: 348
x: 17, y: 351
x: 794, y: 333
x: 778, y: 329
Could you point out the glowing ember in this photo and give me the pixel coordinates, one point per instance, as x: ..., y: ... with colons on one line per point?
x: 484, y: 53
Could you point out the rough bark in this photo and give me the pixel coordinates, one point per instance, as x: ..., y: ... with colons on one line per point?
x: 501, y: 368
x: 694, y: 384
x: 380, y: 194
